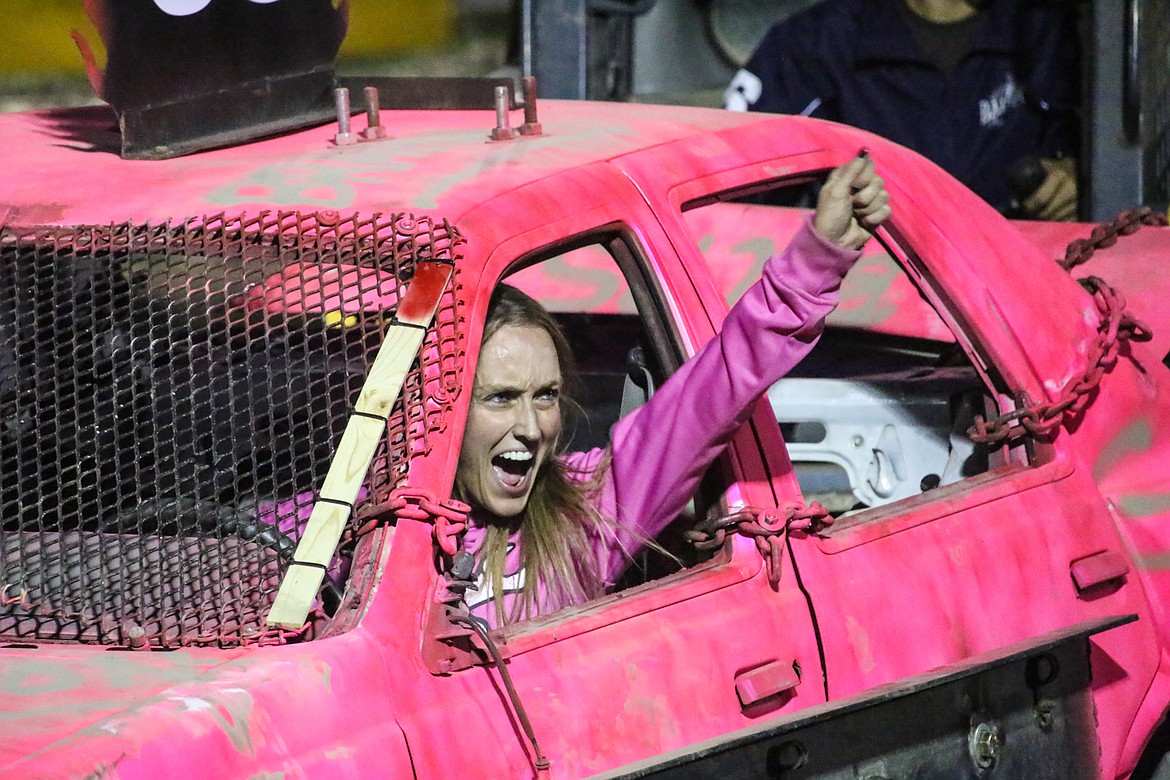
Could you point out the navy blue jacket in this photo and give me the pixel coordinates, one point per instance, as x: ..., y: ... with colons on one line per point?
x: 1016, y: 93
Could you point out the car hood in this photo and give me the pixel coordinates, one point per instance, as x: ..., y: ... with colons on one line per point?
x: 313, y: 707
x: 49, y: 693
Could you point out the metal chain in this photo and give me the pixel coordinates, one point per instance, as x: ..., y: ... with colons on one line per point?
x: 1116, y: 326
x: 765, y: 526
x: 411, y: 503
x: 1106, y: 234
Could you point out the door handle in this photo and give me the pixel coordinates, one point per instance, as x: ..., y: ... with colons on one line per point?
x: 764, y: 681
x: 1097, y: 569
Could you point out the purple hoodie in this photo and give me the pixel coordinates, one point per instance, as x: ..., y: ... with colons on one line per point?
x: 661, y: 450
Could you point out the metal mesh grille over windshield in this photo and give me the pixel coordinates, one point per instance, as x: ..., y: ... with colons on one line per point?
x: 170, y: 397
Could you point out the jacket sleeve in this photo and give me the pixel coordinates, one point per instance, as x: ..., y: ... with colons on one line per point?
x: 661, y: 451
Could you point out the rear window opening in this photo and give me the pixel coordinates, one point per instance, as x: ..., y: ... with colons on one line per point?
x: 879, y: 410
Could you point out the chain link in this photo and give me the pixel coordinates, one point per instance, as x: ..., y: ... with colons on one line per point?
x: 1116, y: 326
x: 412, y: 503
x: 1107, y: 233
x: 766, y: 527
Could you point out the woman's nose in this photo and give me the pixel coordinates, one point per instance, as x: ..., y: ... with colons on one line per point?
x: 525, y: 425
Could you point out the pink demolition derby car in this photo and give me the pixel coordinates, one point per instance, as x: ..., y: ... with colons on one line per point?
x: 233, y: 387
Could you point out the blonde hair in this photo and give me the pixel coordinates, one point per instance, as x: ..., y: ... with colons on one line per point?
x: 556, y: 554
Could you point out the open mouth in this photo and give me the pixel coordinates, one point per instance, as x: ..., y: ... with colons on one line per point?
x: 512, y: 467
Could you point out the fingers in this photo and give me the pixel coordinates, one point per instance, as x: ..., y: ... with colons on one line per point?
x: 853, y: 200
x: 1051, y: 201
x: 871, y: 204
x: 851, y: 177
x: 869, y: 198
x: 855, y: 183
x: 834, y: 214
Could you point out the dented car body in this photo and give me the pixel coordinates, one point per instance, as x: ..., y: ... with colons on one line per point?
x: 186, y: 339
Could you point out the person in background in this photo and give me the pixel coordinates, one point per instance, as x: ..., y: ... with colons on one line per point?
x: 988, y: 89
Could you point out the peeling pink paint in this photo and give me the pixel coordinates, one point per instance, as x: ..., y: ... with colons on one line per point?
x: 859, y: 641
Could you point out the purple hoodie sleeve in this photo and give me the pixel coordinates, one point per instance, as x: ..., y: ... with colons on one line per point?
x: 661, y: 451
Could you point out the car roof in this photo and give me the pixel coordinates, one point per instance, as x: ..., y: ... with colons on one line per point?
x: 63, y: 165
x: 64, y: 169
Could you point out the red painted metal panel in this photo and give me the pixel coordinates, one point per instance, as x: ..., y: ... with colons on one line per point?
x: 322, y: 709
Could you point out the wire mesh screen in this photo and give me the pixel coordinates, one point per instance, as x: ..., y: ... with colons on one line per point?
x: 170, y: 397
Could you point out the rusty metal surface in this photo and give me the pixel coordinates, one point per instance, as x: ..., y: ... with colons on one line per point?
x: 219, y: 73
x: 165, y: 129
x: 135, y: 590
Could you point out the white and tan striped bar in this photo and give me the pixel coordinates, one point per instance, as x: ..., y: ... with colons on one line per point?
x: 359, y: 441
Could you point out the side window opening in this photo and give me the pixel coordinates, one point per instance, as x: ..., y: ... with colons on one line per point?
x: 624, y: 349
x: 868, y: 422
x: 879, y: 410
x: 616, y: 368
x: 619, y: 339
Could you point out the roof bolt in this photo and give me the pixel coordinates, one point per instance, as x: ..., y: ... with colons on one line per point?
x: 344, y: 137
x: 502, y: 132
x: 374, y: 129
x: 531, y: 126
x: 135, y: 635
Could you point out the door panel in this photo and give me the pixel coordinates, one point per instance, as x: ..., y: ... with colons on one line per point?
x: 951, y: 565
x: 955, y: 575
x: 646, y: 670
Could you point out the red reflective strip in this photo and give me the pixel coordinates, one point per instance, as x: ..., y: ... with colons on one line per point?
x: 423, y: 293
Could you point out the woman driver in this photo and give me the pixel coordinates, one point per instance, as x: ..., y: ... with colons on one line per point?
x: 549, y: 529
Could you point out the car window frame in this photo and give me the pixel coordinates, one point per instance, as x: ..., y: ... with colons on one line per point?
x: 739, y: 559
x: 1028, y: 460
